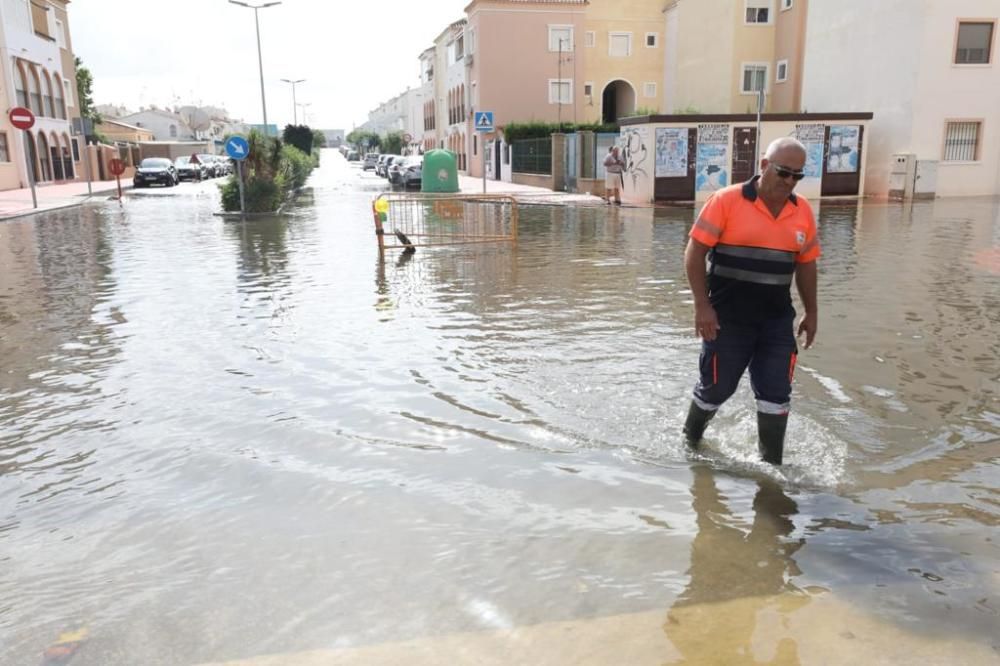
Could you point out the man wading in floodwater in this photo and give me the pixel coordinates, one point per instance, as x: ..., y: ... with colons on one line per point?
x: 757, y: 236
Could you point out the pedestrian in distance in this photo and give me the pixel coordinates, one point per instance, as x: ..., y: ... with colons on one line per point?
x: 758, y: 238
x: 613, y: 179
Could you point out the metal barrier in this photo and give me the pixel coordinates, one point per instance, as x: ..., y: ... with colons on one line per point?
x: 427, y: 220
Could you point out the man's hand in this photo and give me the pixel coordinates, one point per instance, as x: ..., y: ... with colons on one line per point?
x: 706, y: 322
x: 808, y: 325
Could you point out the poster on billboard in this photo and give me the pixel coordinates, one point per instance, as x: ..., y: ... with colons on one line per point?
x: 712, y: 165
x: 813, y: 138
x: 843, y: 154
x: 671, y: 152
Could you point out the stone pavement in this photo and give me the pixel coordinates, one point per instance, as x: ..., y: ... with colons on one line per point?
x: 16, y: 203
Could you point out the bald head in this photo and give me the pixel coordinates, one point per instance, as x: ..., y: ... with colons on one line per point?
x: 786, y: 146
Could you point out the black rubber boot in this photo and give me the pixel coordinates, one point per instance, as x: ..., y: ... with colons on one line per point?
x: 694, y: 426
x: 771, y: 431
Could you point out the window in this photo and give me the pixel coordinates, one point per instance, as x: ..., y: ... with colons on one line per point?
x: 974, y: 44
x: 758, y: 12
x: 560, y: 38
x: 47, y: 95
x: 786, y: 5
x: 173, y: 131
x: 781, y: 75
x: 652, y: 38
x: 69, y: 92
x: 60, y: 34
x: 40, y: 19
x: 588, y: 89
x: 620, y: 44
x: 459, y: 48
x: 754, y: 78
x: 560, y: 91
x: 34, y: 91
x: 961, y: 141
x: 649, y: 90
x: 591, y: 39
x: 76, y: 149
x: 21, y: 84
x: 4, y: 151
x: 57, y: 86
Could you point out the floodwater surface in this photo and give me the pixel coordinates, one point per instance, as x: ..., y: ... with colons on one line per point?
x: 257, y: 442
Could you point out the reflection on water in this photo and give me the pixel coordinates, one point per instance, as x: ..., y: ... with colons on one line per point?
x: 202, y: 419
x: 731, y: 560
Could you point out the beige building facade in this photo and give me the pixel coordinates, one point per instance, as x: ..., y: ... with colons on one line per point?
x: 38, y: 73
x: 719, y: 53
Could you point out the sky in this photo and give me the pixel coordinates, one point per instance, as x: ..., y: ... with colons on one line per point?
x: 354, y: 54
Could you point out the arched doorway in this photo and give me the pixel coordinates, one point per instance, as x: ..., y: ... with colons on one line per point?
x: 44, y: 165
x: 57, y: 163
x: 618, y: 101
x: 67, y: 156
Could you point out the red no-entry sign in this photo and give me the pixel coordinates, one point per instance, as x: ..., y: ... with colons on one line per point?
x: 21, y: 118
x: 117, y: 167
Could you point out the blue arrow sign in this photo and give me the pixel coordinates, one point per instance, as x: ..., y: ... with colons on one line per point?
x: 484, y: 121
x: 237, y: 147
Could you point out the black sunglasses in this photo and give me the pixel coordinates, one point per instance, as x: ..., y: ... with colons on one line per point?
x: 784, y: 172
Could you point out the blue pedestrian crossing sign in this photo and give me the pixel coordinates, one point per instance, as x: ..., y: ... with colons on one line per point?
x: 484, y: 121
x: 237, y: 147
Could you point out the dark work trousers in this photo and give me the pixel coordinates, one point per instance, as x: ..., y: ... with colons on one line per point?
x: 768, y: 348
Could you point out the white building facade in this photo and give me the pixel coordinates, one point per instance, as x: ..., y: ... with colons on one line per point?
x: 929, y: 72
x: 164, y: 125
x: 38, y: 73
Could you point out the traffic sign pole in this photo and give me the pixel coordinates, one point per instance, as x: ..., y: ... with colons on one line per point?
x: 243, y: 201
x: 483, y: 121
x: 238, y: 148
x: 31, y: 172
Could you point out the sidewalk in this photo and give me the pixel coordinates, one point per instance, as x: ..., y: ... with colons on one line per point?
x: 526, y: 194
x: 16, y: 203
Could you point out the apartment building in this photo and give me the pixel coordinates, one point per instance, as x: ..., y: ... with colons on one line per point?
x: 38, y: 72
x: 928, y: 70
x: 719, y: 53
x: 451, y: 91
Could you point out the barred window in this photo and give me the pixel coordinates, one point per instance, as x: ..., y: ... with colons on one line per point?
x: 961, y: 141
x: 4, y: 151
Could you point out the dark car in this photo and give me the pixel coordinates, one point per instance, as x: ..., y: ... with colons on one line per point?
x: 411, y: 171
x: 211, y: 166
x: 155, y: 171
x: 188, y: 170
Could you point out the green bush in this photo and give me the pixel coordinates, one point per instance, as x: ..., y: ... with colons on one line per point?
x: 263, y: 196
x: 295, y: 166
x: 539, y: 130
x: 300, y: 136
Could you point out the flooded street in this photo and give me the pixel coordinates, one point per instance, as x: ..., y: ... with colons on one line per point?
x: 257, y: 443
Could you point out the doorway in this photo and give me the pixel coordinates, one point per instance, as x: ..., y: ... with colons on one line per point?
x: 618, y: 101
x: 744, y: 153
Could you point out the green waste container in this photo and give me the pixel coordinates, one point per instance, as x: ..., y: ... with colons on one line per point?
x: 440, y: 174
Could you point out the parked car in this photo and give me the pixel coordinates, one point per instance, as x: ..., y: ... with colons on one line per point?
x: 211, y: 166
x: 188, y: 170
x: 153, y: 171
x: 389, y: 161
x: 412, y: 171
x: 352, y: 156
x: 371, y: 159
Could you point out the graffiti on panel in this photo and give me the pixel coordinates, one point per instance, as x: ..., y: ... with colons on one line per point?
x: 671, y: 152
x: 712, y: 165
x: 843, y: 154
x: 635, y: 154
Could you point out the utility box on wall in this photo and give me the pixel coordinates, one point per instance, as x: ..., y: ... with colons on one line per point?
x: 925, y: 182
x: 902, y: 176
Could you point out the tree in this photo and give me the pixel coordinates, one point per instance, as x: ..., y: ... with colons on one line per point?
x: 362, y: 138
x: 319, y: 139
x: 85, y: 92
x: 300, y: 136
x: 392, y: 143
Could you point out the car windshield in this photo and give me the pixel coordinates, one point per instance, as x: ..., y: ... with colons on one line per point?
x: 414, y: 161
x: 154, y: 163
x: 181, y: 161
x: 206, y: 158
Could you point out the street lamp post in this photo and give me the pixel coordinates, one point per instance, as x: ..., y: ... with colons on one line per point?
x: 305, y: 109
x: 295, y: 106
x: 260, y: 59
